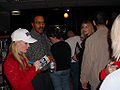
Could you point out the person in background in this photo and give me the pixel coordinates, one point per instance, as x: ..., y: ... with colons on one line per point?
x: 96, y: 53
x: 61, y: 52
x: 75, y: 44
x: 38, y: 50
x: 70, y: 33
x: 16, y: 67
x: 115, y: 60
x: 86, y: 30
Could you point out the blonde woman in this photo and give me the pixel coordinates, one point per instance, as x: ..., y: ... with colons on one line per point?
x: 86, y: 29
x: 16, y: 67
x: 115, y: 38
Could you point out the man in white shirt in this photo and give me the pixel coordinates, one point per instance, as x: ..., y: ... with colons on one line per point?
x: 74, y: 41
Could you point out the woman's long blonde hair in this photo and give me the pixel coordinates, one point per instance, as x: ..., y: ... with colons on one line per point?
x: 115, y: 37
x: 91, y: 29
x: 18, y: 57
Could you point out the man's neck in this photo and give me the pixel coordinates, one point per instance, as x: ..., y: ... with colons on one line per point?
x: 100, y: 26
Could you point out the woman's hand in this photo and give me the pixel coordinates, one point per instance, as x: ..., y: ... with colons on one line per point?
x: 37, y: 64
x: 111, y: 67
x: 74, y: 58
x: 84, y: 86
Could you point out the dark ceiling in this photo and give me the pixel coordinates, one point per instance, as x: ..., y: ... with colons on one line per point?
x: 35, y: 4
x: 53, y: 10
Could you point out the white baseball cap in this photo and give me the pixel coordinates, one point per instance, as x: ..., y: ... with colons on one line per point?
x: 22, y: 34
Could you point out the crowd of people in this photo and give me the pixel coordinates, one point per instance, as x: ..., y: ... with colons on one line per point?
x: 85, y: 58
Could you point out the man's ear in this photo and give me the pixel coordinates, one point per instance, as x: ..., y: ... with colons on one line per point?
x: 33, y: 25
x: 106, y: 22
x: 94, y: 23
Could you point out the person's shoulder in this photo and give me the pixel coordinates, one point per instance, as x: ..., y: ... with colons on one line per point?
x: 63, y: 42
x: 73, y: 38
x: 44, y: 35
x: 10, y: 61
x: 77, y: 37
x: 91, y: 37
x: 67, y: 44
x: 68, y: 39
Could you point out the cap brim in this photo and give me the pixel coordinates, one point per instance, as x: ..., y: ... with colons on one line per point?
x: 30, y: 40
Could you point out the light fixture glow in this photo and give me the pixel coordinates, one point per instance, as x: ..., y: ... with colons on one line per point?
x: 66, y: 15
x: 15, y: 12
x: 68, y: 10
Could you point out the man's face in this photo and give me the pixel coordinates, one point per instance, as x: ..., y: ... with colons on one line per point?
x: 38, y: 24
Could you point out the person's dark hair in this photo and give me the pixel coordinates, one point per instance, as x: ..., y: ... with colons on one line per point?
x: 71, y: 28
x: 53, y: 31
x: 100, y: 17
x: 33, y: 17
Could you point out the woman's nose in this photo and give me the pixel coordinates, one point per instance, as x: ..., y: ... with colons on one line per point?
x: 28, y: 45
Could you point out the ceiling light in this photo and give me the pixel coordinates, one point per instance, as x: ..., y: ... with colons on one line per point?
x: 66, y: 15
x: 15, y: 12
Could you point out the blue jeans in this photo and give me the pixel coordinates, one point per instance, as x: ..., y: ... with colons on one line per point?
x: 60, y: 79
x: 75, y: 75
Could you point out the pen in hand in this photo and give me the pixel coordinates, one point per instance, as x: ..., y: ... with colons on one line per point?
x: 32, y: 64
